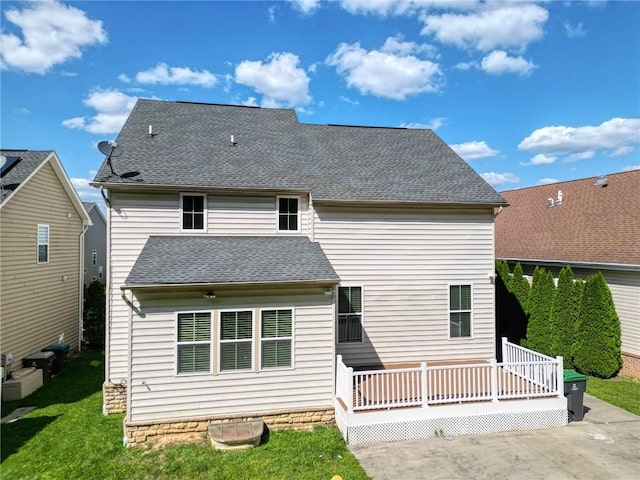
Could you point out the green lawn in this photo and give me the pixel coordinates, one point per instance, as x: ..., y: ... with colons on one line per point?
x: 622, y: 392
x: 67, y: 437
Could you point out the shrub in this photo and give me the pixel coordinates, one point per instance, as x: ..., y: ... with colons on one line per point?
x: 539, y: 309
x: 94, y: 314
x: 564, y: 315
x: 520, y: 287
x: 597, y: 331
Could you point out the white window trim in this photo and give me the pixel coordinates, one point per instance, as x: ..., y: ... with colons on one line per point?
x: 293, y: 336
x: 219, y: 341
x: 449, y: 311
x: 205, y: 208
x: 337, y: 293
x: 38, y: 244
x: 299, y: 213
x: 210, y: 342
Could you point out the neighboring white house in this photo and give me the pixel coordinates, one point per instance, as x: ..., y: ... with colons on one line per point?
x: 95, y: 246
x: 42, y: 223
x: 246, y: 250
x: 591, y: 224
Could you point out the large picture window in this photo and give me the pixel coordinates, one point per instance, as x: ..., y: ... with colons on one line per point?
x: 194, y: 342
x: 288, y: 214
x: 236, y: 340
x: 349, y: 314
x: 459, y: 311
x: 193, y: 211
x: 276, y: 332
x: 43, y: 243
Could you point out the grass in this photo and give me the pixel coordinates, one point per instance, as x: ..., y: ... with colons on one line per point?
x: 621, y: 392
x: 67, y: 437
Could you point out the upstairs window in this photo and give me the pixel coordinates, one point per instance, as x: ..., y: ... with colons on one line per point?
x: 349, y: 314
x: 459, y: 311
x: 194, y: 342
x: 288, y: 214
x: 193, y: 212
x: 43, y: 243
x: 276, y: 338
x: 236, y: 340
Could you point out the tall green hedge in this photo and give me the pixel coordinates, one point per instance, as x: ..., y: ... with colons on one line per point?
x: 564, y: 315
x: 520, y: 287
x: 596, y: 350
x: 539, y: 308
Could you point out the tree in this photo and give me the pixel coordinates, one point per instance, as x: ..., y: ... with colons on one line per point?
x: 597, y: 331
x: 94, y: 314
x: 539, y: 308
x: 564, y: 315
x: 520, y: 287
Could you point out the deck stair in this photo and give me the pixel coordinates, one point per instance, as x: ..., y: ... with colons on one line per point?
x: 236, y: 434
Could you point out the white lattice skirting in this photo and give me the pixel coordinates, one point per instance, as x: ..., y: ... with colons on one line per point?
x: 358, y: 430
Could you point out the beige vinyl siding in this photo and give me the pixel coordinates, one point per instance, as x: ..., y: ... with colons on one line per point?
x: 405, y: 260
x: 39, y: 304
x: 136, y: 216
x: 165, y: 395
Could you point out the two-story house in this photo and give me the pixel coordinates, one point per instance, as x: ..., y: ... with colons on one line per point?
x: 251, y: 255
x: 95, y: 246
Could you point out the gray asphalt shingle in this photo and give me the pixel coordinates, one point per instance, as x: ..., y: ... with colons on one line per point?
x: 191, y: 146
x: 30, y: 160
x: 176, y: 260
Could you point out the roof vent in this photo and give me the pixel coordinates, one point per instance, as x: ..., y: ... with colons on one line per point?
x: 601, y: 181
x: 7, y: 163
x: 551, y: 201
x: 233, y: 141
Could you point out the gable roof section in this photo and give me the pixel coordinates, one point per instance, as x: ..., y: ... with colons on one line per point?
x: 90, y: 206
x: 191, y: 147
x: 594, y: 224
x: 207, y: 260
x: 31, y: 161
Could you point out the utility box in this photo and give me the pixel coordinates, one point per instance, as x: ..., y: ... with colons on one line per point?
x: 60, y: 350
x: 43, y: 361
x: 575, y: 384
x: 25, y: 384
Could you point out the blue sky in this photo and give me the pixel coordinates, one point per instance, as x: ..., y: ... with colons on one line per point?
x: 526, y: 92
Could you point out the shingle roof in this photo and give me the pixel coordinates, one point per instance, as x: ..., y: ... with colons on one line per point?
x: 30, y: 160
x: 175, y: 260
x: 594, y: 224
x: 191, y: 146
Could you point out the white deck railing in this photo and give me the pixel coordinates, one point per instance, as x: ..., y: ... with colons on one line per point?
x: 523, y: 374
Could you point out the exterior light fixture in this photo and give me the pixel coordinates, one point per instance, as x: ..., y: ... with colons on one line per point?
x: 209, y: 295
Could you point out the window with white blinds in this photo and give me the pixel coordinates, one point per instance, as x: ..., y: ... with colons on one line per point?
x: 194, y: 342
x: 276, y: 332
x: 236, y: 340
x: 459, y: 311
x: 43, y: 243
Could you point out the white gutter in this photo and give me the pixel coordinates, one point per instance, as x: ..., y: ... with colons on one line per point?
x: 576, y: 264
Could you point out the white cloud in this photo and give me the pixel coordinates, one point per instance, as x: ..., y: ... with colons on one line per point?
x: 306, y: 6
x: 348, y: 100
x: 573, y: 32
x: 112, y: 109
x: 613, y: 136
x: 250, y: 102
x: 52, y: 33
x: 279, y: 79
x: 511, y: 26
x: 124, y: 78
x: 473, y: 150
x: 385, y: 74
x: 541, y: 159
x: 384, y: 8
x: 622, y: 151
x: 433, y: 124
x: 397, y: 45
x: 498, y: 179
x: 574, y: 157
x: 499, y: 62
x: 466, y: 65
x: 163, y: 74
x: 547, y: 181
x: 86, y: 192
x: 630, y: 168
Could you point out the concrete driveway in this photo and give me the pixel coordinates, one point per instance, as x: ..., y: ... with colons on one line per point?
x: 605, y: 445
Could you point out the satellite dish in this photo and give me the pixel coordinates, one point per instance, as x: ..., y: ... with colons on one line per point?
x: 109, y: 148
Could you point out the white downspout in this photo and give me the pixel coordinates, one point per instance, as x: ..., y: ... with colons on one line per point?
x: 85, y: 227
x: 107, y: 319
x: 127, y: 416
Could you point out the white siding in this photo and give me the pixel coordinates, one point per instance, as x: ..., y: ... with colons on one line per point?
x: 406, y: 260
x: 135, y: 216
x: 165, y: 395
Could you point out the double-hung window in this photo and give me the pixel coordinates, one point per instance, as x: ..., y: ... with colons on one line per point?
x: 288, y: 214
x: 349, y: 314
x: 276, y: 332
x: 43, y: 243
x: 193, y: 212
x: 236, y: 340
x: 194, y: 342
x: 460, y: 311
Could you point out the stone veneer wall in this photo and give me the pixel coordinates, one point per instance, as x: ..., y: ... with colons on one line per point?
x: 114, y: 398
x: 141, y: 434
x: 631, y: 366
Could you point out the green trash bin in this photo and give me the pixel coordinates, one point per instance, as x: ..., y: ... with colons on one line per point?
x: 60, y: 351
x: 575, y: 385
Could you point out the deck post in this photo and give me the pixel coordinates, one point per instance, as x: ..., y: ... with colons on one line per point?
x: 423, y: 384
x: 560, y: 376
x: 494, y: 380
x: 504, y: 350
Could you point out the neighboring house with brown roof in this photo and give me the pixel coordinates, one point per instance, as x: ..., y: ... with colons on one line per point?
x: 591, y: 224
x: 42, y: 222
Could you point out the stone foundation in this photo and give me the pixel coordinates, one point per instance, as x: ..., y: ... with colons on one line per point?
x: 114, y: 398
x: 193, y: 430
x: 631, y: 366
